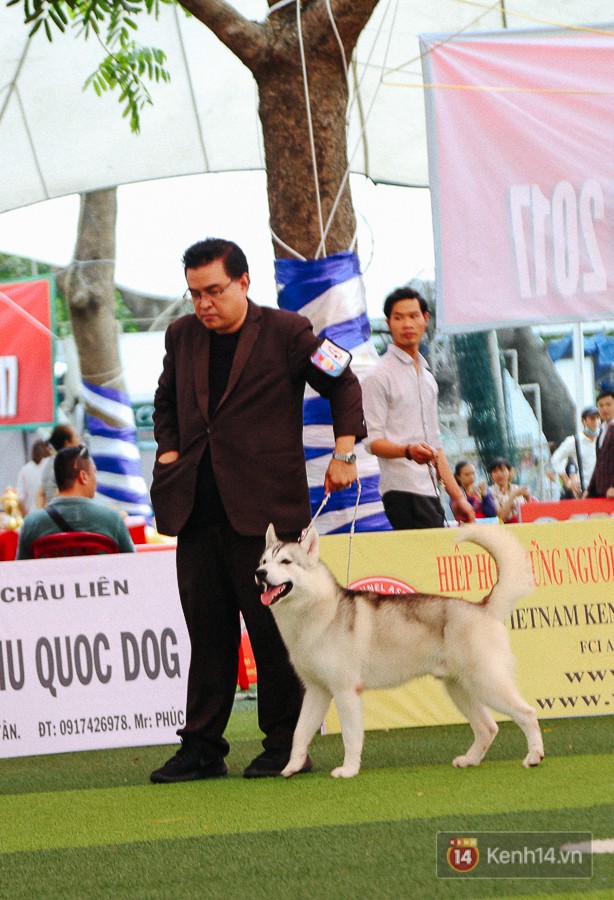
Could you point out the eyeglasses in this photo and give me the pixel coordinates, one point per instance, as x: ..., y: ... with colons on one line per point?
x: 79, y: 452
x: 214, y: 293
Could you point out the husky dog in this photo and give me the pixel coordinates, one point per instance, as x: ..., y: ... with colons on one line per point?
x: 342, y: 641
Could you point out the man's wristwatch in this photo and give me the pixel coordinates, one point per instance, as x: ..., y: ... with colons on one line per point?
x: 345, y: 457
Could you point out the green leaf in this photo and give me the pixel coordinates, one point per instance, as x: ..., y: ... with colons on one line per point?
x: 36, y: 27
x: 57, y: 20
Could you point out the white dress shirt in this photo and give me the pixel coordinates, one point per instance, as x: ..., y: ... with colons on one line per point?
x: 400, y: 404
x: 28, y: 485
x: 568, y: 448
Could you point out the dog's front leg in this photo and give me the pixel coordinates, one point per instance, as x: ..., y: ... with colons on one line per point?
x: 313, y: 710
x: 349, y: 707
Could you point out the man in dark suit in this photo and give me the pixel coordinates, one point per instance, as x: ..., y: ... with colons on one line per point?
x: 228, y: 421
x: 602, y: 480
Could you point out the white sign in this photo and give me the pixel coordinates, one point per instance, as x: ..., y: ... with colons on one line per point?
x: 8, y: 386
x: 94, y: 653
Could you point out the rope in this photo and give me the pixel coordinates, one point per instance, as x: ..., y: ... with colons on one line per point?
x: 384, y: 71
x: 346, y: 174
x: 352, y: 527
x: 277, y: 6
x: 188, y: 73
x: 310, y: 128
x: 285, y: 246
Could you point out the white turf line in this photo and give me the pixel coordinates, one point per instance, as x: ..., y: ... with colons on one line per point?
x: 604, y: 846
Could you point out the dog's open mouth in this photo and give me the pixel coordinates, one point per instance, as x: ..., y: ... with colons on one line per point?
x: 272, y: 594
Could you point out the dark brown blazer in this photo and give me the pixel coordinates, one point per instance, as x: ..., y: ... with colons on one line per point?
x: 256, y: 432
x: 603, y: 473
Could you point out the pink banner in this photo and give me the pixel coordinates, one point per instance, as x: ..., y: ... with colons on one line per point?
x: 521, y: 131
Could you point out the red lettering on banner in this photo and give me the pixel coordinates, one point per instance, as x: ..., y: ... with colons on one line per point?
x: 454, y: 572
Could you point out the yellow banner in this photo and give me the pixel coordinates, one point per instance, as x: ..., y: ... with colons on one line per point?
x: 562, y: 634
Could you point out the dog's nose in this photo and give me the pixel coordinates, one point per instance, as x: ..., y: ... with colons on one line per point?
x: 260, y: 574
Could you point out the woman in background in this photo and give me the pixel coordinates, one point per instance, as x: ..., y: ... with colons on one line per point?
x: 478, y: 495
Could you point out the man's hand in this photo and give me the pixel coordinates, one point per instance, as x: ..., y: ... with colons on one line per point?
x: 339, y: 475
x: 169, y: 457
x: 422, y: 453
x: 462, y: 509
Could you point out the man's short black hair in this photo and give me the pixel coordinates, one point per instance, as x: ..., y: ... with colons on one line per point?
x: 210, y: 250
x: 67, y: 464
x: 607, y: 392
x: 404, y: 293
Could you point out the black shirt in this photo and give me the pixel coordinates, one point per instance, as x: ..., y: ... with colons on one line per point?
x: 208, y: 507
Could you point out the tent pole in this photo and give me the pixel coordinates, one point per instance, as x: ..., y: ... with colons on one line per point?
x: 578, y: 355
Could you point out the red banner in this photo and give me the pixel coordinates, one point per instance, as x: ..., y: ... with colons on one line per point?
x: 561, y: 511
x: 27, y: 393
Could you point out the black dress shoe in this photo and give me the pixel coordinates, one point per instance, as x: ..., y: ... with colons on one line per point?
x: 189, y: 764
x: 270, y: 763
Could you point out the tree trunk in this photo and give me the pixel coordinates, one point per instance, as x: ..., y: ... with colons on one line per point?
x: 89, y: 287
x: 535, y: 366
x: 300, y: 205
x: 307, y: 167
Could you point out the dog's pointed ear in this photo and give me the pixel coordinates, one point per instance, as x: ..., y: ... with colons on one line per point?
x: 271, y: 537
x: 311, y: 543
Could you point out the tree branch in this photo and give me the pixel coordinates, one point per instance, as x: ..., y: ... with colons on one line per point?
x: 246, y: 39
x: 350, y: 17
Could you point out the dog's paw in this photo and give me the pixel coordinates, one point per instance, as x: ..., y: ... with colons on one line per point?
x: 292, y: 769
x: 533, y: 758
x: 463, y: 762
x: 345, y: 772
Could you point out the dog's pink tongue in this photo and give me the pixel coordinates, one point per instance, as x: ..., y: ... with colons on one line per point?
x: 268, y: 596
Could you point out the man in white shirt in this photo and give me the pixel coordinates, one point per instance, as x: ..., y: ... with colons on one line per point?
x: 29, y: 478
x: 400, y: 403
x: 584, y: 445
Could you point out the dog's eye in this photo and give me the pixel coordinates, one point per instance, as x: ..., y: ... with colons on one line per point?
x: 285, y: 562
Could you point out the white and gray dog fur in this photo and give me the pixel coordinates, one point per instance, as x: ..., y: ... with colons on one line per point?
x: 342, y: 641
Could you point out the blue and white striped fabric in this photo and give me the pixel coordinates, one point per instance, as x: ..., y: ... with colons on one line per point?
x: 114, y: 450
x: 330, y: 292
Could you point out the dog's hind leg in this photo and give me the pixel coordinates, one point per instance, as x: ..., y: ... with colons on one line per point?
x: 505, y: 698
x: 484, y: 726
x: 349, y: 707
x: 315, y: 704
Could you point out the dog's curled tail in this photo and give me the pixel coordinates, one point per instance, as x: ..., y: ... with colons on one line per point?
x: 515, y: 574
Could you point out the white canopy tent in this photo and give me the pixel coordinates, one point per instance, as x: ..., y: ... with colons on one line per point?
x: 57, y: 139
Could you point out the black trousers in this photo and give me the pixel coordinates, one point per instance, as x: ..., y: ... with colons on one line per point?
x: 215, y: 573
x: 405, y: 510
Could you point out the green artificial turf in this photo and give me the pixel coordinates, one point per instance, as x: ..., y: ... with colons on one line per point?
x: 91, y: 824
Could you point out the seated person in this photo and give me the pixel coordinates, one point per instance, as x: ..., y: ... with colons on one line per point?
x: 478, y: 495
x: 75, y: 474
x: 508, y: 496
